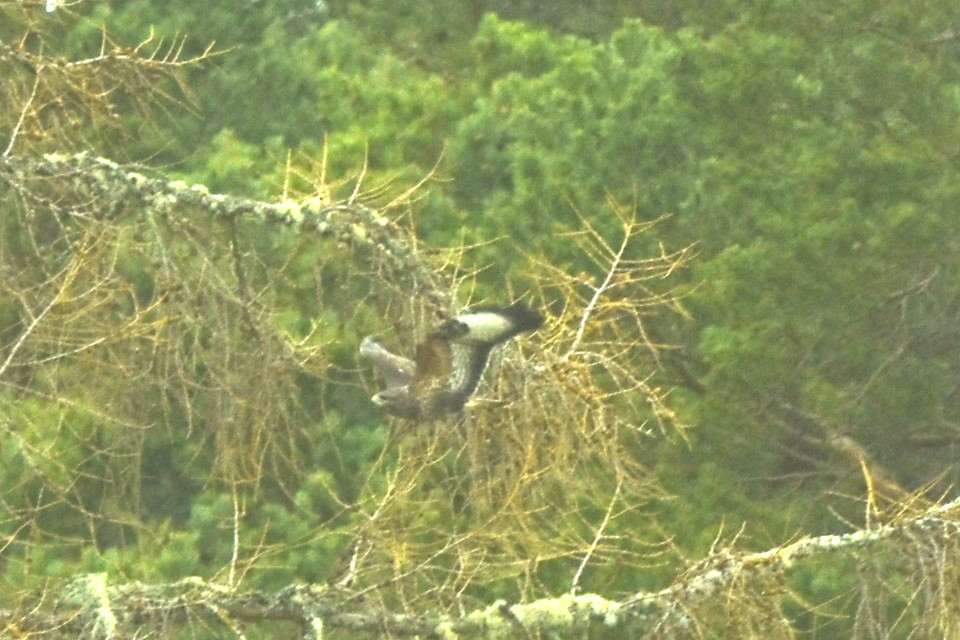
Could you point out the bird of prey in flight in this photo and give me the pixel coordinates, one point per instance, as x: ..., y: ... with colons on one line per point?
x: 448, y: 363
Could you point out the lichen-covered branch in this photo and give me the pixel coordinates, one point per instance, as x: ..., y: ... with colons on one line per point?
x: 91, y: 607
x: 111, y: 186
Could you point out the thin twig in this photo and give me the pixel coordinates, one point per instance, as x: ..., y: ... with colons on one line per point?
x: 231, y: 580
x: 596, y: 539
x: 23, y: 113
x: 26, y: 333
x: 599, y: 291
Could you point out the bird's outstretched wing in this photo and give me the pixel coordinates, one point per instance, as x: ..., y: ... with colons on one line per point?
x: 492, y: 325
x: 469, y: 360
x: 472, y: 336
x: 396, y: 370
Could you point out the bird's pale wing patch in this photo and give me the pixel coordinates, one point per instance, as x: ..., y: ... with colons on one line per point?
x: 396, y: 370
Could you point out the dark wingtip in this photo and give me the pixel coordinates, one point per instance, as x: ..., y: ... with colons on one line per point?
x: 525, y: 317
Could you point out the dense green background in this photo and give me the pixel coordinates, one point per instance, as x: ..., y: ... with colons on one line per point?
x: 811, y: 149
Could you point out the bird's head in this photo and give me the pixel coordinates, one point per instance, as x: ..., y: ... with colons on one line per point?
x: 398, y: 402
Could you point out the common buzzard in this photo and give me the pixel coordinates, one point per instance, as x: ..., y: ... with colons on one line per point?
x: 448, y: 364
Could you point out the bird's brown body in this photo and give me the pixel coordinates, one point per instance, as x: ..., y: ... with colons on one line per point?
x: 448, y: 364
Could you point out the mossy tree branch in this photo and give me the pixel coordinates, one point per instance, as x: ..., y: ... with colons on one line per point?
x: 926, y: 545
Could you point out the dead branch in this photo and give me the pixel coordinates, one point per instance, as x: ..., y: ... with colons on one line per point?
x: 353, y: 225
x: 91, y: 607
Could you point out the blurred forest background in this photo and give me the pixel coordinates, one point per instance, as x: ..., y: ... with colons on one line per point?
x: 763, y: 195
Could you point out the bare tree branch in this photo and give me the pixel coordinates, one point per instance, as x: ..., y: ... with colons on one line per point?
x: 352, y: 224
x: 90, y: 606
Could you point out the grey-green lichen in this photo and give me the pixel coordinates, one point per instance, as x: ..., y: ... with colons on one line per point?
x: 563, y: 614
x: 90, y: 593
x: 445, y: 630
x: 351, y: 224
